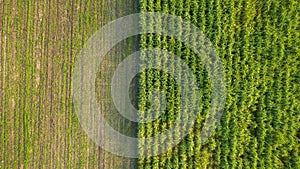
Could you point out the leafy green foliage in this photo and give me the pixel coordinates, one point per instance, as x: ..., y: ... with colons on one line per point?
x: 258, y: 43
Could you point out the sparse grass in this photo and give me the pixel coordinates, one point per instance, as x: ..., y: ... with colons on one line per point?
x: 39, y: 42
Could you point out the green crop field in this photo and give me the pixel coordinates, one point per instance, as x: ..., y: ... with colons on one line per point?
x: 257, y: 42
